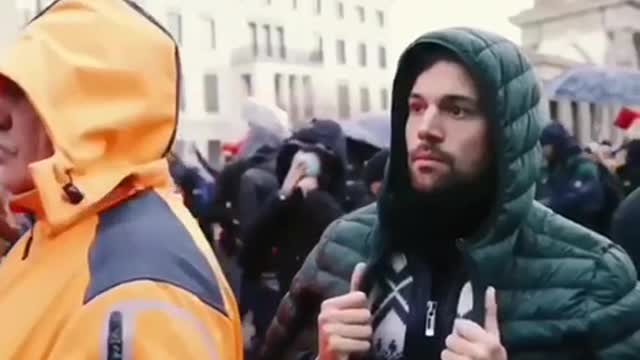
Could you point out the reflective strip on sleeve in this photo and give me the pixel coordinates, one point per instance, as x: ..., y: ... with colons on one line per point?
x: 119, y: 329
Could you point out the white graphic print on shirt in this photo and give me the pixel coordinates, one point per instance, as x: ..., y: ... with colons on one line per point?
x: 390, y: 300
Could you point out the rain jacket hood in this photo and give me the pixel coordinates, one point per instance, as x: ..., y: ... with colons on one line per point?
x: 129, y: 259
x: 110, y: 107
x: 510, y: 107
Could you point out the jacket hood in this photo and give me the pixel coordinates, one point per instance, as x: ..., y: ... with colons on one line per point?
x: 510, y: 88
x: 323, y: 135
x: 109, y: 104
x: 564, y: 144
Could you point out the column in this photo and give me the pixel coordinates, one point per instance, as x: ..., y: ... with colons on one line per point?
x: 585, y: 123
x: 565, y: 117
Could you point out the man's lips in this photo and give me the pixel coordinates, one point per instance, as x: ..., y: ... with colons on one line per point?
x: 426, y: 156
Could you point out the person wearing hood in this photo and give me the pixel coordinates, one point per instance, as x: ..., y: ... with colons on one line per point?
x: 572, y: 186
x: 629, y: 172
x: 259, y: 181
x: 373, y: 173
x: 459, y: 260
x: 244, y: 185
x: 311, y: 169
x: 114, y: 265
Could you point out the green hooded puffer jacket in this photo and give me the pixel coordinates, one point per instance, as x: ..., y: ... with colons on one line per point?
x: 563, y: 292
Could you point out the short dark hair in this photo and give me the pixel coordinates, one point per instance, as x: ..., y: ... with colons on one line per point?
x: 427, y: 56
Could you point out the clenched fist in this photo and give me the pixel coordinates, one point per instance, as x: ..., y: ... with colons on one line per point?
x: 344, y: 323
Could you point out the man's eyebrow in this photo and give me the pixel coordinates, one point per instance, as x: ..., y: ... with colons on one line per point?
x: 460, y: 98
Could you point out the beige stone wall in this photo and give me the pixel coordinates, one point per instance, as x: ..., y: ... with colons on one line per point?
x: 601, y: 36
x: 9, y: 22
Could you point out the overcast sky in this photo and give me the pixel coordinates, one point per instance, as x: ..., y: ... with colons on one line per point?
x: 411, y: 18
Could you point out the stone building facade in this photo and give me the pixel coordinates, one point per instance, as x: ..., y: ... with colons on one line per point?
x: 561, y: 34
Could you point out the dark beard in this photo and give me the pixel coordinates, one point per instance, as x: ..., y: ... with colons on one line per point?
x: 430, y: 223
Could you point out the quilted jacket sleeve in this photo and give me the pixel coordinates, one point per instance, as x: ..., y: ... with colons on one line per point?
x: 614, y: 323
x: 325, y: 274
x: 292, y: 332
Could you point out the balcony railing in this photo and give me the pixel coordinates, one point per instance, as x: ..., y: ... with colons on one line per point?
x: 248, y: 54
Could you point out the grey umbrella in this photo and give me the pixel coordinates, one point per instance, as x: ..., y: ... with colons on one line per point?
x: 597, y: 85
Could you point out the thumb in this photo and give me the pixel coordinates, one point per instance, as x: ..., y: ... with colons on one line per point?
x: 357, y: 276
x: 491, y: 313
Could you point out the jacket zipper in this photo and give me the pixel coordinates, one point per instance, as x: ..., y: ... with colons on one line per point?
x: 430, y: 325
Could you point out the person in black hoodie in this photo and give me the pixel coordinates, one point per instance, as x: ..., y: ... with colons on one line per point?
x: 287, y: 225
x: 629, y: 173
x: 293, y: 219
x: 573, y: 186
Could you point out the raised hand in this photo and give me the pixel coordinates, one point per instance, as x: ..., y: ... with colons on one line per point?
x: 344, y: 323
x: 470, y: 341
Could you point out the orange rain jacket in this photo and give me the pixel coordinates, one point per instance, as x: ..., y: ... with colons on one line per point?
x: 114, y: 267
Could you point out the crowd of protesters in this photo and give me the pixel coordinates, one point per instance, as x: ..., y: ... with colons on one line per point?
x: 483, y: 231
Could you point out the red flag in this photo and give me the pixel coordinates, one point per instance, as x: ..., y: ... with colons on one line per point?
x: 626, y: 117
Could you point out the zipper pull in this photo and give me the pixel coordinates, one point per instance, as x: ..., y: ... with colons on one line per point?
x: 430, y: 326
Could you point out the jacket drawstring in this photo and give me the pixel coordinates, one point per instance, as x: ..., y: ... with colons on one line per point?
x: 27, y: 247
x: 71, y: 191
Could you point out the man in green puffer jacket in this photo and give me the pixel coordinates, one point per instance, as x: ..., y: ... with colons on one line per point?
x: 457, y: 217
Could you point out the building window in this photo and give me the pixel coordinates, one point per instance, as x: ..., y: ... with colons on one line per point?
x: 553, y: 110
x: 254, y: 37
x: 344, y: 106
x: 318, y: 7
x: 380, y: 17
x: 214, y: 150
x: 277, y: 84
x: 211, y: 24
x: 248, y: 84
x: 267, y: 38
x: 365, y: 100
x: 361, y: 15
x: 384, y: 99
x: 308, y: 96
x: 362, y: 54
x: 294, y: 109
x: 341, y: 52
x: 179, y: 148
x: 294, y: 4
x: 340, y: 9
x: 319, y: 52
x: 211, y: 101
x: 39, y: 5
x: 636, y: 44
x: 282, y: 46
x: 382, y: 57
x: 175, y: 26
x: 183, y: 94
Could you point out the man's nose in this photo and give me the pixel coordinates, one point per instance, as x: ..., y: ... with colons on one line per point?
x: 431, y: 126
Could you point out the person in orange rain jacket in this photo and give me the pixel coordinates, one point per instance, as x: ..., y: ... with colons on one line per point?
x: 114, y: 266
